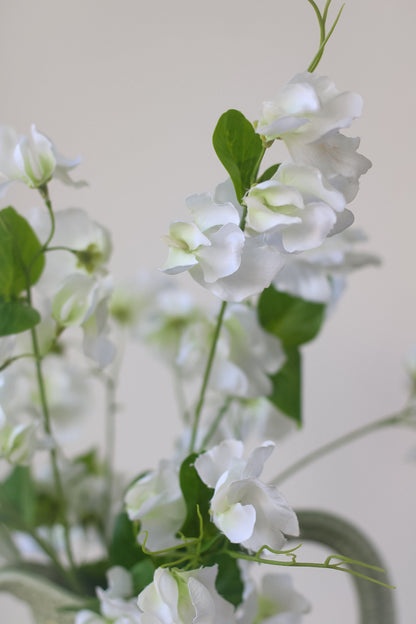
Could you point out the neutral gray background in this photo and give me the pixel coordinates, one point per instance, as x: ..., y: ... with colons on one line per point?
x: 136, y: 88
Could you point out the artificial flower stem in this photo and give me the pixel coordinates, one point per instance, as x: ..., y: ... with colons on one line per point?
x: 110, y: 437
x: 206, y: 375
x: 339, y: 442
x: 55, y: 469
x: 221, y: 413
x: 44, y: 191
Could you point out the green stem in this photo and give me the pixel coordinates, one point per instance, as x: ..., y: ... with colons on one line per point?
x: 44, y: 403
x: 110, y: 437
x: 325, y: 565
x: 339, y: 442
x: 206, y: 376
x: 216, y: 422
x: 14, y: 359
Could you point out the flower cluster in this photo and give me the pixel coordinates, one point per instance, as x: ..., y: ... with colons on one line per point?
x: 237, y: 249
x: 177, y: 545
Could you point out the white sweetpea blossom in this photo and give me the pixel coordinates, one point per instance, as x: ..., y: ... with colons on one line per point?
x: 319, y: 275
x: 156, y: 500
x: 74, y: 229
x: 244, y: 508
x: 277, y: 602
x: 308, y: 114
x: 18, y: 441
x: 179, y: 597
x: 31, y: 159
x: 260, y: 261
x: 309, y: 106
x: 297, y: 207
x: 254, y: 417
x: 213, y: 241
x: 245, y: 355
x: 116, y: 604
x: 337, y: 157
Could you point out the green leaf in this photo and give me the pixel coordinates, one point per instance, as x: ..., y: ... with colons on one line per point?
x: 20, y: 257
x: 16, y: 316
x: 293, y: 320
x: 18, y: 498
x: 239, y: 149
x: 195, y: 493
x: 287, y: 386
x: 269, y: 173
x: 124, y: 548
x: 142, y: 574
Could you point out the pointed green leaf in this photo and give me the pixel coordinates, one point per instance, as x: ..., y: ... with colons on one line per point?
x: 20, y: 255
x: 124, y: 548
x: 269, y: 173
x: 18, y: 498
x: 16, y: 317
x: 287, y: 386
x: 142, y: 573
x: 293, y: 320
x: 195, y: 493
x: 239, y: 149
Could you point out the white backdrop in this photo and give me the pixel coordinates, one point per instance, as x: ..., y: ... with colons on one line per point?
x: 136, y: 88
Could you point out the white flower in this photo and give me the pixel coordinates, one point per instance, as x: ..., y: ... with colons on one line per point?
x: 74, y: 229
x: 336, y: 156
x: 179, y: 597
x: 276, y: 603
x: 30, y: 159
x: 258, y: 417
x: 246, y: 510
x: 259, y: 263
x: 319, y: 274
x: 156, y: 500
x: 294, y: 204
x: 115, y: 603
x: 17, y: 441
x: 307, y: 114
x: 213, y: 241
x: 309, y: 106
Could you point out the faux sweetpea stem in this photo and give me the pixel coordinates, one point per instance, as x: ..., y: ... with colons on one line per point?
x: 110, y: 437
x: 325, y: 565
x: 388, y: 421
x: 54, y: 460
x: 207, y: 374
x: 217, y: 333
x: 322, y: 27
x: 45, y: 408
x: 216, y: 422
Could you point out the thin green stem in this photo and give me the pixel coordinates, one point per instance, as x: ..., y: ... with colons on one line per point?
x: 315, y: 62
x: 180, y: 394
x: 61, y: 248
x: 326, y: 565
x: 14, y: 359
x: 110, y: 445
x: 207, y: 375
x: 43, y: 544
x: 221, y: 413
x: 44, y: 402
x: 341, y: 441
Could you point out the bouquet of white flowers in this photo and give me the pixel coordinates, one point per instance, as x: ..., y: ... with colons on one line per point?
x: 180, y: 542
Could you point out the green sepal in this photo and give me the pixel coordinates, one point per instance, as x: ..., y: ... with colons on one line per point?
x: 16, y: 317
x: 287, y: 386
x: 293, y: 320
x: 124, y: 548
x: 21, y: 260
x: 239, y: 149
x: 197, y: 496
x: 269, y: 173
